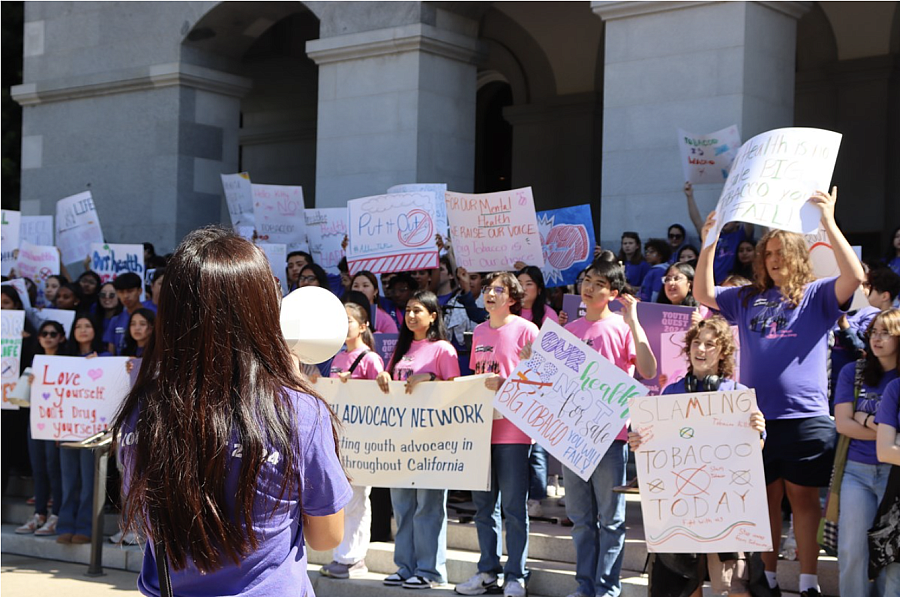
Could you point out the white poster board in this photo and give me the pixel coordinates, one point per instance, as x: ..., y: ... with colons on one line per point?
x: 825, y: 265
x: 326, y: 229
x: 276, y: 253
x: 13, y: 323
x: 703, y: 488
x: 279, y: 213
x: 10, y: 227
x: 37, y: 263
x: 706, y: 159
x: 568, y: 398
x: 64, y: 317
x: 492, y: 231
x: 440, y: 202
x: 38, y: 230
x: 77, y: 226
x: 239, y: 198
x: 435, y: 438
x: 112, y: 260
x: 773, y: 176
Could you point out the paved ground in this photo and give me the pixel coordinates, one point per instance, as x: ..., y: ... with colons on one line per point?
x: 22, y: 576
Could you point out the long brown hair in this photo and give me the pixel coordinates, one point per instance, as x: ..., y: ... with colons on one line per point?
x: 215, y: 373
x: 796, y: 260
x: 873, y: 372
x: 724, y: 341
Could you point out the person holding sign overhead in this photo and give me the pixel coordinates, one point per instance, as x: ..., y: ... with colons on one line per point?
x: 730, y: 239
x: 784, y: 318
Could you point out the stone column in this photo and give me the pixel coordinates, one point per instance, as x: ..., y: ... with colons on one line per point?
x: 700, y: 66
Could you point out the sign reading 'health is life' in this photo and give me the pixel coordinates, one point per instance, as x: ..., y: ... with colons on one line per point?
x: 493, y: 231
x: 392, y: 233
x: 703, y: 489
x: 77, y: 227
x: 239, y: 198
x: 73, y: 398
x: 568, y: 398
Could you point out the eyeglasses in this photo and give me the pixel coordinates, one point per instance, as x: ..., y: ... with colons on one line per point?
x: 494, y: 290
x: 673, y: 279
x: 49, y: 334
x: 885, y: 334
x: 676, y: 236
x: 308, y: 278
x: 107, y: 295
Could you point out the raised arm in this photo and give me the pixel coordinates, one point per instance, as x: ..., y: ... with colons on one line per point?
x: 692, y: 208
x: 704, y: 282
x: 852, y: 274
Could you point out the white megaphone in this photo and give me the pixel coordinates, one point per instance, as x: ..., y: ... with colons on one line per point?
x: 21, y: 393
x: 314, y: 324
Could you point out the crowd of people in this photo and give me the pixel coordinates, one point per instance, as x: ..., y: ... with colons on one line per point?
x: 452, y: 322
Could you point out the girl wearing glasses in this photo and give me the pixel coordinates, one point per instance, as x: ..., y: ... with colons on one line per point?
x: 109, y: 304
x: 312, y: 275
x: 678, y: 285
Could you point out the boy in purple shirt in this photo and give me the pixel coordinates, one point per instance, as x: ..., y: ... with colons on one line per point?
x: 128, y: 289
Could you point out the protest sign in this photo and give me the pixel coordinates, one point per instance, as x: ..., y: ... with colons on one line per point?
x: 21, y: 290
x: 773, y: 176
x: 37, y: 263
x: 77, y: 226
x: 567, y: 242
x: 13, y: 323
x: 384, y: 345
x: 279, y: 213
x: 493, y: 231
x: 73, y: 398
x: 703, y: 489
x: 825, y: 265
x: 568, y: 398
x: 64, y: 317
x: 706, y: 159
x: 326, y: 229
x: 38, y: 230
x: 10, y: 230
x: 392, y: 233
x: 276, y: 253
x: 111, y: 261
x: 435, y: 438
x: 239, y: 198
x: 440, y: 202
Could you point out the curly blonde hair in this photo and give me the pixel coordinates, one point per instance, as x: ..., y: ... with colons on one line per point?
x: 724, y: 342
x: 796, y: 261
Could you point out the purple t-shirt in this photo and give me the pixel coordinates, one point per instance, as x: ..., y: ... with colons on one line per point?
x: 678, y: 387
x: 840, y: 356
x: 726, y: 252
x: 278, y: 566
x: 784, y: 349
x: 652, y: 283
x: 889, y: 407
x: 635, y: 272
x: 861, y: 450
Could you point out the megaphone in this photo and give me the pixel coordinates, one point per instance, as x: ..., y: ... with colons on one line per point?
x: 21, y: 393
x: 314, y: 324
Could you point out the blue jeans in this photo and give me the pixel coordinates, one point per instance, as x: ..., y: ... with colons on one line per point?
x: 598, y: 515
x: 420, y: 545
x: 44, y: 456
x: 861, y: 491
x: 75, y: 515
x: 538, y: 478
x: 892, y: 579
x: 509, y: 488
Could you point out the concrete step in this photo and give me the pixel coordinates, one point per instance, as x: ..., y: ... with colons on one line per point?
x: 126, y: 557
x: 15, y: 511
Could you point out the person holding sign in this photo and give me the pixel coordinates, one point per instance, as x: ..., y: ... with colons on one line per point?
x: 730, y: 239
x: 230, y: 461
x: 784, y: 318
x: 422, y: 354
x: 710, y: 348
x: 598, y: 514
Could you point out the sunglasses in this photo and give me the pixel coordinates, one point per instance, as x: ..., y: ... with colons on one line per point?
x: 676, y: 236
x: 49, y: 334
x: 107, y: 295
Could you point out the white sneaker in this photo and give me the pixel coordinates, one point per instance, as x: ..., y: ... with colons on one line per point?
x: 33, y: 524
x: 535, y: 509
x: 479, y: 584
x: 553, y: 486
x: 514, y: 587
x: 49, y: 527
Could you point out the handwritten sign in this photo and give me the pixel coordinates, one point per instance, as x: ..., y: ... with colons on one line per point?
x: 706, y: 159
x: 326, y: 229
x: 276, y: 253
x: 440, y: 203
x: 10, y: 226
x: 392, y: 233
x: 239, y: 198
x: 37, y: 263
x: 434, y: 438
x: 567, y: 242
x: 279, y: 213
x: 825, y: 265
x: 568, y: 398
x: 493, y: 231
x: 13, y: 323
x: 77, y: 226
x: 38, y: 230
x: 703, y: 489
x: 21, y: 289
x: 64, y: 317
x: 73, y: 398
x: 773, y: 176
x: 111, y: 261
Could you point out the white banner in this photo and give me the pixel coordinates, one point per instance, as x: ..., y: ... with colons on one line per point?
x: 239, y: 198
x: 326, y: 229
x: 706, y: 159
x: 440, y: 202
x: 13, y: 323
x: 438, y: 437
x: 38, y: 230
x: 568, y: 398
x: 73, y: 397
x: 279, y: 213
x: 703, y: 489
x: 77, y: 226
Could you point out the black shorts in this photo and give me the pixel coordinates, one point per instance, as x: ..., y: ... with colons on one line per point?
x: 800, y: 451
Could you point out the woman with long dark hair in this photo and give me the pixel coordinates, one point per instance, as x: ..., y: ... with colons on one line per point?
x: 139, y: 332
x: 108, y: 306
x: 230, y: 459
x: 534, y: 304
x: 633, y: 259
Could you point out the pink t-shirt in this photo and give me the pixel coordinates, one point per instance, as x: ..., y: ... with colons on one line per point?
x: 549, y: 313
x: 497, y: 351
x: 384, y: 323
x: 612, y: 338
x: 369, y: 367
x: 424, y: 356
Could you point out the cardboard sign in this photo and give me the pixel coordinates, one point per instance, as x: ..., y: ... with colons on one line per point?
x: 77, y: 227
x: 62, y: 316
x: 10, y: 226
x: 73, y: 398
x: 276, y: 253
x: 703, y: 488
x: 38, y: 230
x: 279, y: 213
x: 435, y: 438
x: 37, y: 264
x: 13, y: 324
x: 568, y: 398
x: 825, y: 265
x: 440, y: 202
x: 326, y: 229
x: 567, y: 242
x: 392, y: 233
x: 239, y: 198
x: 493, y: 231
x: 706, y: 159
x: 111, y: 261
x: 773, y: 176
